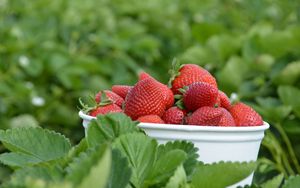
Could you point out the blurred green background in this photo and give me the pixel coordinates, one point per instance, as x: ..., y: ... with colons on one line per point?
x: 54, y: 51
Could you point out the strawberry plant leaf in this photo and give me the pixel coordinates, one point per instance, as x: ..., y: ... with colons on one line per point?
x: 92, y: 161
x: 99, y: 172
x: 108, y: 127
x: 205, y: 174
x: 273, y: 183
x: 178, y: 180
x: 140, y: 151
x: 47, y: 174
x: 290, y: 95
x: 165, y: 166
x: 191, y: 151
x: 289, y: 75
x: 232, y: 75
x: 38, y: 183
x: 292, y: 182
x: 40, y: 144
x: 272, y: 109
x: 120, y: 171
x: 15, y: 159
x: 75, y: 151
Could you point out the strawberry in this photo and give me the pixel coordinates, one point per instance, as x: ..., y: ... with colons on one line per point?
x: 200, y: 94
x: 150, y: 119
x: 244, y: 115
x: 226, y: 119
x: 109, y: 108
x: 167, y: 92
x: 206, y: 116
x: 121, y: 90
x: 189, y: 74
x: 110, y: 95
x: 145, y: 98
x: 143, y: 75
x: 223, y: 100
x: 174, y: 115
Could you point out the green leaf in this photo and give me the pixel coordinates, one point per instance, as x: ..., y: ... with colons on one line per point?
x: 191, y: 151
x: 203, y: 31
x: 24, y: 120
x: 46, y: 173
x: 289, y: 75
x: 292, y: 182
x: 140, y: 150
x: 262, y: 63
x: 120, y: 171
x: 178, y: 180
x: 292, y: 126
x: 227, y: 173
x: 224, y: 46
x: 36, y: 143
x: 290, y: 95
x: 197, y: 55
x: 38, y: 183
x: 75, y: 151
x: 92, y: 161
x: 165, y: 166
x: 232, y: 75
x: 99, y: 172
x: 108, y: 127
x: 273, y: 183
x: 272, y: 110
x: 14, y: 159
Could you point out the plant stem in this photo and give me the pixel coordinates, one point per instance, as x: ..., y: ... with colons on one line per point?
x: 276, y: 152
x: 289, y: 146
x: 287, y: 165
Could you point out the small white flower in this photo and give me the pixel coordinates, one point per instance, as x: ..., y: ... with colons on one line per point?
x: 233, y: 97
x: 23, y: 61
x: 38, y: 101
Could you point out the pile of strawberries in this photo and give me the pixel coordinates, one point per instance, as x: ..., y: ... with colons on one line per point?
x: 192, y: 98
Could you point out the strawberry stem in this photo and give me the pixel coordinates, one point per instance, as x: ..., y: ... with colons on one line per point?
x: 290, y: 149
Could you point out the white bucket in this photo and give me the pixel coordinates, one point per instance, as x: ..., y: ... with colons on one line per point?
x: 214, y: 143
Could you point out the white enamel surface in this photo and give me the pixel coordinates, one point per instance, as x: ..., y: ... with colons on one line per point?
x: 214, y: 143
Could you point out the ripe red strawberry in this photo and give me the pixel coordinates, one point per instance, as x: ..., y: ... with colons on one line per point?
x: 150, y: 119
x: 244, y: 115
x: 205, y: 116
x: 143, y: 75
x: 226, y: 119
x: 223, y: 100
x: 111, y: 96
x: 174, y: 115
x: 145, y: 98
x: 200, y: 94
x: 109, y: 108
x: 121, y: 90
x: 167, y: 92
x: 188, y: 74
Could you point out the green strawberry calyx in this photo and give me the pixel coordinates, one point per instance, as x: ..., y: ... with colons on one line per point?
x: 86, y: 108
x: 174, y: 71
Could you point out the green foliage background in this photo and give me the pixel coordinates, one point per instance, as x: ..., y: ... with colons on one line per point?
x: 57, y: 51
